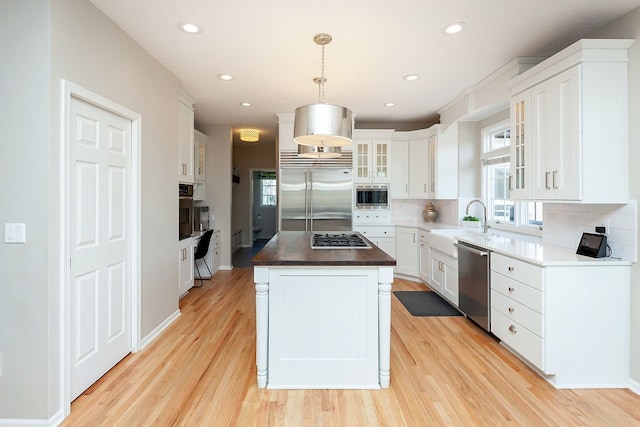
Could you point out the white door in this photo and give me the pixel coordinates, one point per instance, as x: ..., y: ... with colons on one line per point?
x: 100, y: 242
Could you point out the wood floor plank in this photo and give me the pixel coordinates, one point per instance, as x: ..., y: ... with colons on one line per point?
x: 445, y: 371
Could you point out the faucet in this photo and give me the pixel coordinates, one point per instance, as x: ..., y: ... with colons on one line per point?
x: 485, y: 226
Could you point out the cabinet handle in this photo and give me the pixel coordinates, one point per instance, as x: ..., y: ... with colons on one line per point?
x: 511, y: 309
x: 510, y: 183
x: 555, y: 185
x: 510, y: 269
x: 406, y: 188
x: 425, y: 188
x: 546, y: 180
x: 513, y: 329
x: 414, y: 237
x: 511, y: 289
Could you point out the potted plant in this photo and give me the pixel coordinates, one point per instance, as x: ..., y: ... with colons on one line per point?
x: 471, y: 221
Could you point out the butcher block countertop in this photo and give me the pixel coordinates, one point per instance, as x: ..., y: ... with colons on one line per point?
x: 293, y: 248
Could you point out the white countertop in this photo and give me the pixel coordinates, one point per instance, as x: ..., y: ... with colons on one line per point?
x: 526, y: 248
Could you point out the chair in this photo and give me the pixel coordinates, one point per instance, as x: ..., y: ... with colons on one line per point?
x: 201, y: 252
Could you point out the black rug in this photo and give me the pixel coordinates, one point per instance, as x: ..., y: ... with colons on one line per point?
x: 426, y: 303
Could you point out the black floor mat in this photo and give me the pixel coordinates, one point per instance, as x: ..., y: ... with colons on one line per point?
x: 426, y: 303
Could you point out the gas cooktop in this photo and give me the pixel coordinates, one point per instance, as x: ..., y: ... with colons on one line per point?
x: 350, y: 240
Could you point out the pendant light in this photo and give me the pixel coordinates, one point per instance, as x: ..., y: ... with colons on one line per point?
x: 322, y: 125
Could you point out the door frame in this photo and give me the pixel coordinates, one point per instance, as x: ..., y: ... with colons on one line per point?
x: 69, y: 91
x: 252, y: 193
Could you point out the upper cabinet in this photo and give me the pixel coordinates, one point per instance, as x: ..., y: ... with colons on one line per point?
x: 569, y: 126
x: 399, y: 187
x: 443, y: 164
x: 371, y: 156
x: 185, y: 139
x: 418, y: 166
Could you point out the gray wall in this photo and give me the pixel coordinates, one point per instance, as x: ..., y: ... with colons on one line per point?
x: 48, y: 42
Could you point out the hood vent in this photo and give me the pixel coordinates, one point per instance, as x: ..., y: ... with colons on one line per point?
x: 290, y: 159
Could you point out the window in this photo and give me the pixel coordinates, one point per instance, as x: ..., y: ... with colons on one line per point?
x: 267, y: 188
x: 496, y: 171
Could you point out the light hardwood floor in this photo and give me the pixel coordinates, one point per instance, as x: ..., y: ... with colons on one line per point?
x: 445, y: 371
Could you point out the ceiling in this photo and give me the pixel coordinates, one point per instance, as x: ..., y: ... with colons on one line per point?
x: 269, y: 50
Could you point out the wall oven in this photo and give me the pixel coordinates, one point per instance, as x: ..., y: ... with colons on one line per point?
x: 372, y: 196
x: 185, y: 211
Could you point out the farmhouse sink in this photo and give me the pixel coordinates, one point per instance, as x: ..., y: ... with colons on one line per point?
x: 443, y: 240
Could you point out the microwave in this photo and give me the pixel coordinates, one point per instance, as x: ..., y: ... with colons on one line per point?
x: 372, y: 196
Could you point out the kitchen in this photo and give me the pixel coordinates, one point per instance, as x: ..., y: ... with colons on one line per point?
x: 157, y: 264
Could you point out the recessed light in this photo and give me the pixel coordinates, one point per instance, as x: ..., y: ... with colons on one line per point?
x: 410, y: 77
x: 245, y: 104
x: 455, y: 28
x: 189, y: 27
x: 389, y: 104
x: 225, y: 77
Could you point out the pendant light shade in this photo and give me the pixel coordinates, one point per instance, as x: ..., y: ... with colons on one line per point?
x: 322, y: 125
x: 315, y: 152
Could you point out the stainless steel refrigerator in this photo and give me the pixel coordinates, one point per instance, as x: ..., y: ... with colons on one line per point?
x: 316, y: 199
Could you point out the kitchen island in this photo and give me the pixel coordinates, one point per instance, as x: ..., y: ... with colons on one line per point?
x: 323, y: 316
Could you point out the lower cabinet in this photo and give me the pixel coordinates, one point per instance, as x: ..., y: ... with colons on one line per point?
x: 407, y: 251
x: 444, y: 275
x: 212, y: 258
x: 185, y: 265
x: 215, y: 251
x: 424, y: 252
x: 383, y: 236
x: 569, y: 322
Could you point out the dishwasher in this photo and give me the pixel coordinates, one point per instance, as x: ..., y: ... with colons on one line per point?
x: 473, y: 283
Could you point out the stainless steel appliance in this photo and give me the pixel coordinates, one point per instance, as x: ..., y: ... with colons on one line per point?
x: 315, y: 194
x: 474, y: 283
x: 372, y: 196
x: 353, y: 240
x: 185, y: 211
x: 200, y: 218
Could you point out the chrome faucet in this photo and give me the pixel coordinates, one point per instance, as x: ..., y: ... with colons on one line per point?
x: 485, y: 226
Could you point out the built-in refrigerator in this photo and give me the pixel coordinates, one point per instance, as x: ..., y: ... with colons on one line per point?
x: 315, y: 199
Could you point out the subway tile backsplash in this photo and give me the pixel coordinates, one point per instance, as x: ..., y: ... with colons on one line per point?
x: 564, y: 224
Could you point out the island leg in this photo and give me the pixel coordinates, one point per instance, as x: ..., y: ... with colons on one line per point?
x: 384, y: 326
x: 262, y: 326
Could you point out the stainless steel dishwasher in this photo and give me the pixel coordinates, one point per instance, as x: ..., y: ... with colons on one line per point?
x: 473, y: 283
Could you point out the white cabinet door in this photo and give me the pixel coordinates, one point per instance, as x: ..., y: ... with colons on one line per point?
x: 407, y: 251
x: 437, y: 271
x: 520, y: 151
x: 371, y: 161
x: 399, y: 187
x: 185, y: 265
x: 423, y: 272
x: 185, y: 143
x: 419, y: 168
x: 443, y: 166
x: 555, y: 154
x: 200, y: 155
x: 387, y: 244
x: 444, y: 275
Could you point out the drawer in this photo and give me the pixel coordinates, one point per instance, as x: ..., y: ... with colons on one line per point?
x: 518, y: 291
x: 377, y: 231
x: 520, y: 339
x: 423, y: 236
x: 532, y: 320
x: 518, y: 270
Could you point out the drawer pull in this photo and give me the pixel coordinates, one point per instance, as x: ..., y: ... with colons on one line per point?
x: 511, y: 309
x: 513, y: 329
x: 510, y: 269
x: 511, y: 289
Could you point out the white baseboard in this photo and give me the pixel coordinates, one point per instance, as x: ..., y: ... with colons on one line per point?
x: 159, y: 329
x: 226, y: 267
x: 634, y: 386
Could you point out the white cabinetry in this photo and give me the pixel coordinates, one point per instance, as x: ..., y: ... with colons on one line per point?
x: 570, y: 322
x: 215, y: 251
x: 575, y: 123
x: 212, y: 258
x: 371, y: 156
x: 423, y: 257
x: 383, y: 236
x: 407, y: 251
x: 200, y: 153
x: 443, y: 164
x: 418, y: 168
x: 185, y: 139
x: 399, y: 186
x: 444, y: 275
x: 185, y: 265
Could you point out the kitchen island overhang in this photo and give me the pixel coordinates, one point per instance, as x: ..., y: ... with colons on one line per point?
x: 323, y: 317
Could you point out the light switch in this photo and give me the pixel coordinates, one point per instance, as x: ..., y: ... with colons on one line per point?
x: 14, y: 232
